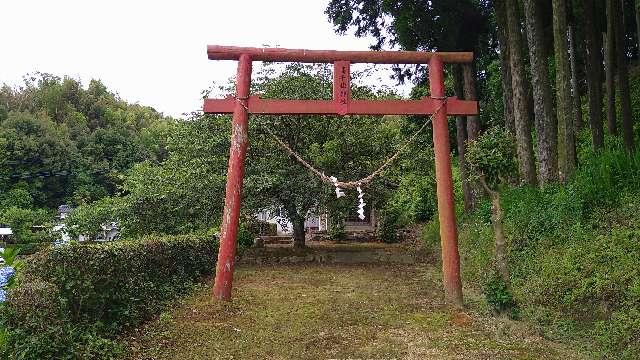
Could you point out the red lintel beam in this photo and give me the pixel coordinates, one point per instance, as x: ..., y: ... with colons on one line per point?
x: 424, y: 106
x: 219, y: 52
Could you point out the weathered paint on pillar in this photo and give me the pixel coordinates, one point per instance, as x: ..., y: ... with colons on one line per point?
x: 235, y: 174
x: 444, y: 182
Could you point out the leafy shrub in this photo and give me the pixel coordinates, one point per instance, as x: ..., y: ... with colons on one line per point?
x: 88, y: 219
x: 246, y: 235
x: 430, y: 234
x: 72, y: 301
x: 388, y: 225
x: 493, y: 155
x: 337, y: 230
x: 413, y: 201
x: 415, y: 198
x: 259, y: 227
x: 16, y: 197
x: 22, y: 222
x: 499, y: 297
x: 38, y: 327
x: 36, y: 306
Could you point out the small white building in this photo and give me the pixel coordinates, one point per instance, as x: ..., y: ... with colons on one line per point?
x: 109, y: 232
x: 64, y: 211
x: 284, y: 225
x: 63, y: 236
x: 319, y: 222
x: 5, y: 233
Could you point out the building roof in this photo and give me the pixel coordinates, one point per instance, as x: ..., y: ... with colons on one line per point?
x: 5, y: 231
x: 64, y: 208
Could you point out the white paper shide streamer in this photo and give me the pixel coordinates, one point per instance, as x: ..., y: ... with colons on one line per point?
x: 339, y: 192
x: 361, y: 203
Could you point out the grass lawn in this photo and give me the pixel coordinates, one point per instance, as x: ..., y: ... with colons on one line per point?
x: 317, y: 311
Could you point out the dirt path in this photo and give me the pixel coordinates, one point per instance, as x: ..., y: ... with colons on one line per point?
x: 316, y: 311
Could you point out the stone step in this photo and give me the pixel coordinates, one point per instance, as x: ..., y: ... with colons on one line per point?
x: 331, y: 257
x: 276, y: 239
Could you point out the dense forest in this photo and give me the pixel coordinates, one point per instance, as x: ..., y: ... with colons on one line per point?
x: 538, y: 64
x: 546, y: 177
x: 64, y: 144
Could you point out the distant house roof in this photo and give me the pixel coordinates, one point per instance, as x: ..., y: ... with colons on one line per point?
x: 63, y: 209
x: 5, y: 231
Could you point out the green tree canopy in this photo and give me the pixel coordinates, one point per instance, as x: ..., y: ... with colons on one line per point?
x: 66, y: 144
x: 186, y: 191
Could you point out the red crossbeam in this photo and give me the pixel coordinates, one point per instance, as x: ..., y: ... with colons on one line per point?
x: 219, y: 52
x: 425, y: 106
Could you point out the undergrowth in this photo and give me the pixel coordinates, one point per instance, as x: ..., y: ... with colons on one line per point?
x: 574, y: 251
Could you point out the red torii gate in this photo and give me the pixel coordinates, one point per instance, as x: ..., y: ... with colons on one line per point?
x: 243, y: 104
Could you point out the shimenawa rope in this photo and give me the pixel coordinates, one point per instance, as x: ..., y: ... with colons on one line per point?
x: 364, y: 181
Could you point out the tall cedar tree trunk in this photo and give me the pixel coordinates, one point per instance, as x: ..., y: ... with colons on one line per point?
x: 575, y: 87
x: 470, y: 93
x: 566, y: 141
x: 505, y: 66
x: 594, y: 74
x: 623, y: 75
x: 497, y: 217
x: 610, y: 61
x: 473, y: 121
x: 542, y: 95
x: 461, y: 138
x: 637, y: 11
x: 520, y: 101
x: 298, y: 231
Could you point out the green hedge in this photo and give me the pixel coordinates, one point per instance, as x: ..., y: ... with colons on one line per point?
x: 72, y: 301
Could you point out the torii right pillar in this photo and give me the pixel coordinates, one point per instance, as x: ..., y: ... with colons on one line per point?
x: 446, y: 207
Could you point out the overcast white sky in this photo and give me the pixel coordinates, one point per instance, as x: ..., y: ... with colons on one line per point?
x: 154, y: 52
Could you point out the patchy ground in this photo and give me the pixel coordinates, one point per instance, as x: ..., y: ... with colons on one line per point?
x: 316, y: 311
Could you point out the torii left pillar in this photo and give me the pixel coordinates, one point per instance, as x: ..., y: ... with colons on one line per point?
x: 235, y: 174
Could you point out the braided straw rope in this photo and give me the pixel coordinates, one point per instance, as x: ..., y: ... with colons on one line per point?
x: 366, y: 180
